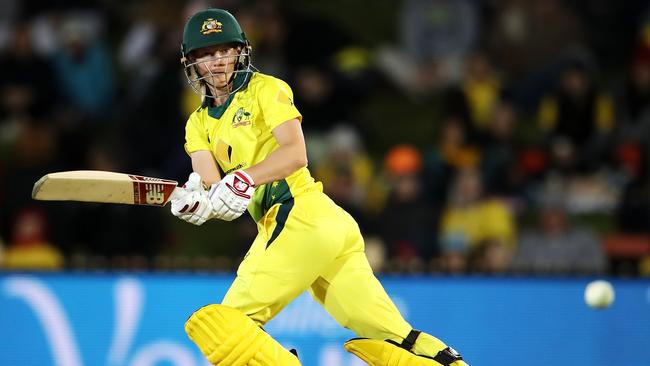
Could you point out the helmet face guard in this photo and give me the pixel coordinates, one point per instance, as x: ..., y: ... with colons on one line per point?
x: 213, y: 27
x: 199, y: 84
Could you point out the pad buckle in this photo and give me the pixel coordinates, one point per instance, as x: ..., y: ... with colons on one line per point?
x: 447, y: 356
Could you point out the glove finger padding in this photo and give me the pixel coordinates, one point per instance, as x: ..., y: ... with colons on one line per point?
x: 185, y: 201
x: 221, y: 209
x: 192, y: 203
x: 193, y: 182
x: 180, y: 204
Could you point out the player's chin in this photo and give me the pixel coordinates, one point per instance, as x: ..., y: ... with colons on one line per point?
x: 221, y: 85
x: 217, y: 82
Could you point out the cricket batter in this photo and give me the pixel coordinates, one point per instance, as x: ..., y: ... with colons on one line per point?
x: 247, y: 145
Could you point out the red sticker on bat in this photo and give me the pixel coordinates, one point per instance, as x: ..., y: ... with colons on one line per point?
x: 151, y: 191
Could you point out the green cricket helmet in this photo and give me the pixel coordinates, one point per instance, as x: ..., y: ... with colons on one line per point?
x: 213, y: 27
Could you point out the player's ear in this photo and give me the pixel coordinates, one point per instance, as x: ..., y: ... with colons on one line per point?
x: 242, y: 57
x: 244, y: 54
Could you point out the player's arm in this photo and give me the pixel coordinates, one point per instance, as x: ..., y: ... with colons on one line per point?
x: 290, y: 155
x: 231, y: 196
x: 191, y: 202
x: 204, y: 164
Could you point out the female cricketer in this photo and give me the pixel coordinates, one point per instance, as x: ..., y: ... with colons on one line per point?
x: 248, y: 153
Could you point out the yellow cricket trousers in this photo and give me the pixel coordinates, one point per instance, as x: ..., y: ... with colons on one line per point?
x: 312, y: 244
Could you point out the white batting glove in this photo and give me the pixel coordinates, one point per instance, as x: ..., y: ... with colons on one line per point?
x: 192, y: 203
x: 231, y: 196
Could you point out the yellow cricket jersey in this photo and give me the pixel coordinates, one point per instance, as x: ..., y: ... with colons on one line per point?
x: 239, y: 134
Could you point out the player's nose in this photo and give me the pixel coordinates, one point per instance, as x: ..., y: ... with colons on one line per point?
x: 217, y: 64
x: 215, y: 68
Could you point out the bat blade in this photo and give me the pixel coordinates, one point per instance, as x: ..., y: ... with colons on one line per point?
x: 102, y: 186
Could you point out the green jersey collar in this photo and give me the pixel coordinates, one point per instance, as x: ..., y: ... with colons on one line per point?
x: 240, y: 82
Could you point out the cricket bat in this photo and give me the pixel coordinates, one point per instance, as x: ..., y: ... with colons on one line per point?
x: 102, y: 186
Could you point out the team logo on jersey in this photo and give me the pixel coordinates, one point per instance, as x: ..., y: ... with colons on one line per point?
x: 211, y: 26
x: 241, y: 118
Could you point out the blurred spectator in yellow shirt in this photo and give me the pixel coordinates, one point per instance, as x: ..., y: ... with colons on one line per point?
x: 578, y: 119
x: 29, y: 248
x: 482, y: 89
x: 476, y: 233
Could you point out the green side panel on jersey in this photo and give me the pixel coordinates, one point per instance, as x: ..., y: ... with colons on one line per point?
x: 276, y: 192
x: 281, y: 219
x: 268, y: 195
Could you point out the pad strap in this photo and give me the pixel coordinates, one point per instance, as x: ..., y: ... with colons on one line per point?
x: 410, y: 339
x: 447, y: 356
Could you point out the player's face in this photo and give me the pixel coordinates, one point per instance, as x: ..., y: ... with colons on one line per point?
x: 217, y: 64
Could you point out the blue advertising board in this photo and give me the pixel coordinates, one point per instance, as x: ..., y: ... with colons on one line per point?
x: 137, y: 320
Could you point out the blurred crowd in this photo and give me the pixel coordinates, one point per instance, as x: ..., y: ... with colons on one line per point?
x: 465, y: 136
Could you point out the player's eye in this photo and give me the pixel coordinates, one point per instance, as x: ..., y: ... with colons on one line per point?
x: 198, y: 55
x: 224, y: 52
x: 202, y: 55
